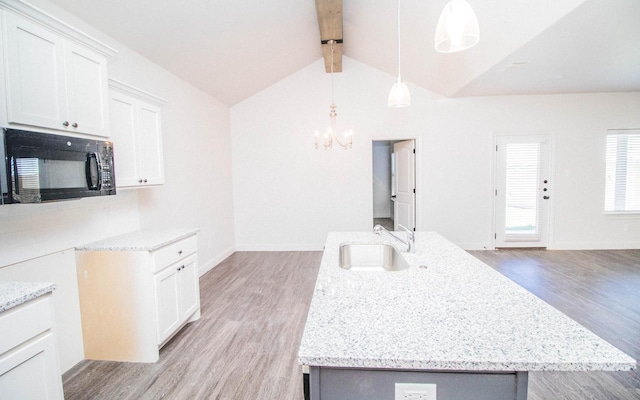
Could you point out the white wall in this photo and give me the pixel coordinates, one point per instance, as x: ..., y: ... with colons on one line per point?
x: 197, y: 192
x: 288, y: 195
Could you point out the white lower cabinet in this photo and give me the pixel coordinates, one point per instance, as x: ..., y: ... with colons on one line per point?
x: 176, y: 296
x: 133, y: 301
x: 28, y: 354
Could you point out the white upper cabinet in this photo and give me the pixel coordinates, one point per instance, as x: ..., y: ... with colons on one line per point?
x: 53, y: 80
x: 35, y: 96
x: 87, y: 90
x: 136, y: 132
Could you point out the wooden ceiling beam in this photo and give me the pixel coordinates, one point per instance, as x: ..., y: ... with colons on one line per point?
x: 330, y: 23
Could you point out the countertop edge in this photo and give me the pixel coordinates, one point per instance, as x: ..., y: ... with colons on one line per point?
x: 141, y: 240
x: 463, y: 366
x: 14, y: 294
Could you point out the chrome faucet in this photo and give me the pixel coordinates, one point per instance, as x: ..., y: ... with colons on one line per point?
x: 411, y: 237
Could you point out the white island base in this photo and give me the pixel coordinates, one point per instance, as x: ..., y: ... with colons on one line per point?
x: 448, y: 321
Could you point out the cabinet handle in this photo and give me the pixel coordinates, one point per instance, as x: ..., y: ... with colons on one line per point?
x: 75, y: 125
x: 65, y: 123
x: 145, y: 181
x: 178, y: 269
x: 182, y: 267
x: 179, y: 252
x: 139, y: 180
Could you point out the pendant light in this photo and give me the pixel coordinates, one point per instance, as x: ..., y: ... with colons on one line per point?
x: 399, y: 95
x: 457, y: 28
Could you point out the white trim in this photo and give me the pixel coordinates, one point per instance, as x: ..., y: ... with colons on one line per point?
x: 615, y: 245
x: 140, y: 94
x: 551, y: 134
x: 622, y: 214
x: 417, y: 141
x: 203, y: 268
x: 281, y: 247
x: 50, y: 22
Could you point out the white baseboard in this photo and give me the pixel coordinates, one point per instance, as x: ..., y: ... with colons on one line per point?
x: 205, y: 267
x: 618, y: 245
x: 281, y: 247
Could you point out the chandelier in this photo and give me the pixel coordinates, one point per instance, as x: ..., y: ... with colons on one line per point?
x: 330, y: 134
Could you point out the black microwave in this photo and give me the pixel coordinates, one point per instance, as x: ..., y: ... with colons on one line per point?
x: 41, y: 167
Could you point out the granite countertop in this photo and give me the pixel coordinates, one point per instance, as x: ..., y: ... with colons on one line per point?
x: 13, y: 294
x: 143, y: 240
x: 448, y: 311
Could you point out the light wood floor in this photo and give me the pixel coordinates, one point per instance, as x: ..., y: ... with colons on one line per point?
x: 254, y: 306
x: 244, y: 346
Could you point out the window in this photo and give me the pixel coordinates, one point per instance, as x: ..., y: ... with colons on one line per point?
x: 622, y: 190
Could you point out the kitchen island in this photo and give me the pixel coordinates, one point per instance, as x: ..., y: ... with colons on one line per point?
x: 448, y: 322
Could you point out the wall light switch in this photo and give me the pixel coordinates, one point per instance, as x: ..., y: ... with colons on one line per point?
x: 416, y: 391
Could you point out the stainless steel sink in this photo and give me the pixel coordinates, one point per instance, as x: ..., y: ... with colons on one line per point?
x: 371, y: 257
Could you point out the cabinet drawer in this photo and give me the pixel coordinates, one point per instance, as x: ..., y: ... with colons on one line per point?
x: 174, y: 252
x: 24, y: 322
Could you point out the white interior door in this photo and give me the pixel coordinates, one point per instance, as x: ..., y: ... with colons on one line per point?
x: 522, y: 191
x: 404, y: 206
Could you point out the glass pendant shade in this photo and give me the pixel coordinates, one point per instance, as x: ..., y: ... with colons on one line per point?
x: 399, y: 95
x: 457, y: 28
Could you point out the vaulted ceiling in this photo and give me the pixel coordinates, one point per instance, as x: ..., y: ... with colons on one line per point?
x: 234, y: 49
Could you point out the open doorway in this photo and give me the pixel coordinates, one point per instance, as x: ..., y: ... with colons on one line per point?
x: 394, y: 184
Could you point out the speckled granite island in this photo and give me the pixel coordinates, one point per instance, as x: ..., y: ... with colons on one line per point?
x: 449, y: 322
x: 136, y: 291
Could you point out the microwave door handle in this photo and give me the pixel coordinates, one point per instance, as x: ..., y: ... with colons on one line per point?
x: 93, y: 170
x: 14, y: 174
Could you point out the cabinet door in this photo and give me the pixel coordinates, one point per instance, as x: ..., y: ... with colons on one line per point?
x: 189, y: 287
x: 151, y: 163
x: 31, y: 372
x: 122, y: 115
x: 167, y: 302
x: 87, y: 90
x: 35, y: 74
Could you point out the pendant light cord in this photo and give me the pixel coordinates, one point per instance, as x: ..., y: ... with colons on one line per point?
x: 398, y: 38
x: 332, y: 101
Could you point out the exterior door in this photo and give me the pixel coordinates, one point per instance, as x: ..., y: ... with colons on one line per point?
x: 404, y: 206
x: 523, y: 191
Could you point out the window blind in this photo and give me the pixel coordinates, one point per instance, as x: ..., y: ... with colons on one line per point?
x: 522, y: 214
x: 622, y: 188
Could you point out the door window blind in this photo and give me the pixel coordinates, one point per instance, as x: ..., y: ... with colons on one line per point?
x: 622, y: 189
x: 522, y: 214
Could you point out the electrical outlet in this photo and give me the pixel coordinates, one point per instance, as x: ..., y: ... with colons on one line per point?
x: 415, y: 391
